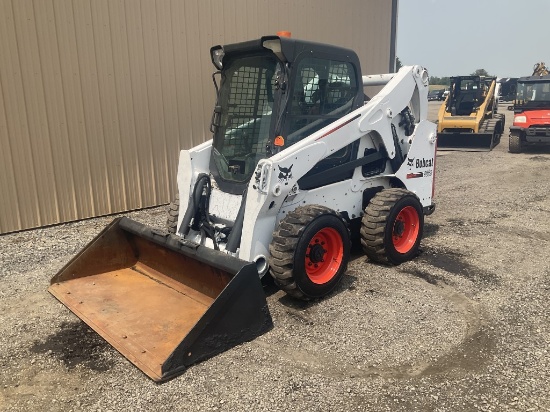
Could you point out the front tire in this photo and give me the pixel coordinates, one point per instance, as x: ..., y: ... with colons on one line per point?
x: 392, y: 226
x: 173, y: 212
x: 309, y: 252
x: 514, y: 144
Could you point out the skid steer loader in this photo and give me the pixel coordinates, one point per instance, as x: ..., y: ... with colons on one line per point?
x: 299, y: 162
x: 468, y: 119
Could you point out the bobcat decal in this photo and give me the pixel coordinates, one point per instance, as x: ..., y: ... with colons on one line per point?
x: 285, y: 173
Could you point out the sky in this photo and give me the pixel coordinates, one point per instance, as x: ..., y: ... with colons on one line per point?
x: 457, y: 37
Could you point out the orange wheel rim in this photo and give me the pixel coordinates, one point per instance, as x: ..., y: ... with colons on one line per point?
x: 324, y: 255
x: 405, y: 229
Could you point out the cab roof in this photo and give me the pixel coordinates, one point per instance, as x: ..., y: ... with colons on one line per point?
x: 291, y: 49
x: 534, y: 79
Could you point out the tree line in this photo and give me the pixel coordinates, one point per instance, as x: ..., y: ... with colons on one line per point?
x: 444, y: 81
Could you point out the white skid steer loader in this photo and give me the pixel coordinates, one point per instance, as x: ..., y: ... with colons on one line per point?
x: 300, y: 163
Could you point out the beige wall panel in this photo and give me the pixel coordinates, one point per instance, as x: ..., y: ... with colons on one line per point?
x: 93, y: 119
x: 8, y: 200
x: 97, y: 97
x: 144, y: 139
x: 129, y: 164
x: 32, y: 70
x: 63, y: 184
x: 108, y: 107
x: 10, y: 121
x: 73, y: 102
x: 169, y: 87
x: 193, y: 58
x: 182, y: 73
x: 23, y: 94
x: 155, y: 96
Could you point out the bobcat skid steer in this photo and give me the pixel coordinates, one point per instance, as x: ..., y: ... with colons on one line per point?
x: 298, y: 164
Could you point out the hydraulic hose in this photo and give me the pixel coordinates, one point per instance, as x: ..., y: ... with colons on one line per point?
x: 234, y: 238
x: 194, y: 201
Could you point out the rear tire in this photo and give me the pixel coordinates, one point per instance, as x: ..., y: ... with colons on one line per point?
x: 514, y: 144
x: 392, y: 226
x: 173, y: 212
x: 309, y: 252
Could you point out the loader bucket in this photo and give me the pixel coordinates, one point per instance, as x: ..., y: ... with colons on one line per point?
x: 161, y: 301
x: 468, y: 142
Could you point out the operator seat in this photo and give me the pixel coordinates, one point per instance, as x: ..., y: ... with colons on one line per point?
x: 465, y: 104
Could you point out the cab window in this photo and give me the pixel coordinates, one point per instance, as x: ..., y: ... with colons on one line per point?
x: 324, y: 91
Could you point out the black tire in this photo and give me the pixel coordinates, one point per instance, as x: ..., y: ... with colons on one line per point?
x: 301, y: 242
x: 499, y: 128
x: 496, y: 139
x: 392, y: 226
x: 501, y: 121
x: 514, y: 144
x: 173, y: 212
x: 492, y: 126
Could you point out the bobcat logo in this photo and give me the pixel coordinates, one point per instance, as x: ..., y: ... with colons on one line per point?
x: 410, y: 162
x: 285, y: 173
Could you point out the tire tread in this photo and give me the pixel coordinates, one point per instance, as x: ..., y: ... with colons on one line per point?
x: 283, y: 246
x: 374, y: 221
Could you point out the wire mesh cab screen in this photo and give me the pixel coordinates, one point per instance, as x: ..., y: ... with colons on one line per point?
x: 246, y: 100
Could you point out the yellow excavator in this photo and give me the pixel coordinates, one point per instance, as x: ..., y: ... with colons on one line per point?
x: 540, y: 69
x: 468, y: 119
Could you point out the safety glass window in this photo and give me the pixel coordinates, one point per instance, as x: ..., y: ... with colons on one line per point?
x: 323, y: 91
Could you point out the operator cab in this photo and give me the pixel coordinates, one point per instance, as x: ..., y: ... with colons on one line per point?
x: 507, y: 90
x: 467, y: 94
x: 532, y: 93
x: 273, y: 92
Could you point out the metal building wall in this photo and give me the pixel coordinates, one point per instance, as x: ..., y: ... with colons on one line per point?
x: 97, y: 97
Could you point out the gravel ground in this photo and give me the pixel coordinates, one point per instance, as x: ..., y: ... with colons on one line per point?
x: 462, y: 327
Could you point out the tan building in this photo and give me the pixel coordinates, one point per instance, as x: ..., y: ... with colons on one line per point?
x: 97, y: 97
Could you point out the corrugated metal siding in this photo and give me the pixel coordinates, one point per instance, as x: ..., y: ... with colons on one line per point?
x: 97, y: 97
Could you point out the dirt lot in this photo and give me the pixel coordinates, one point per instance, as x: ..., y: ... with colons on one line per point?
x: 462, y: 327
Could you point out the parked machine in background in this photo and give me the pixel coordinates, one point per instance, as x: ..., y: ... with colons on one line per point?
x: 540, y: 69
x: 299, y: 164
x: 506, y: 88
x: 437, y: 94
x: 531, y: 111
x: 468, y: 120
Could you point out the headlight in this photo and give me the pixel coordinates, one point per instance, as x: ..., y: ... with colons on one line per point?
x: 217, y: 54
x: 520, y: 119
